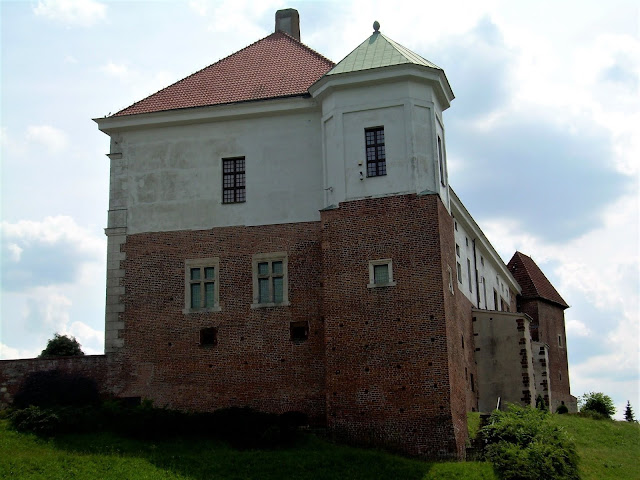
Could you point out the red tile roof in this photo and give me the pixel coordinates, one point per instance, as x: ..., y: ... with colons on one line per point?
x: 276, y: 66
x: 533, y: 282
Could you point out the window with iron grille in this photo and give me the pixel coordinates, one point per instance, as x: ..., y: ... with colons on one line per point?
x: 270, y: 280
x: 376, y: 156
x: 233, y: 180
x: 201, y: 285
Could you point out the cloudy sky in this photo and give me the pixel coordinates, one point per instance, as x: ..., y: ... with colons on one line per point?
x: 543, y: 143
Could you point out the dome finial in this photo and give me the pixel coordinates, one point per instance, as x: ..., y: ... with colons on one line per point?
x: 376, y: 26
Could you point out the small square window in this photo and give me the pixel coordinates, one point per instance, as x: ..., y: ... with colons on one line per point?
x: 270, y: 280
x: 381, y: 273
x: 201, y: 285
x: 208, y: 337
x: 299, y: 331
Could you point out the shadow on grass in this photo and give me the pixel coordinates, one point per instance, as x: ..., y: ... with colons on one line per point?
x: 310, y: 458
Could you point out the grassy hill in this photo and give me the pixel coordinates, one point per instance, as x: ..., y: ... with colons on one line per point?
x: 608, y: 450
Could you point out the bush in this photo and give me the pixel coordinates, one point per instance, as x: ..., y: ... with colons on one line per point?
x: 53, y: 387
x: 562, y: 409
x: 597, y: 402
x: 522, y: 444
x: 61, y: 346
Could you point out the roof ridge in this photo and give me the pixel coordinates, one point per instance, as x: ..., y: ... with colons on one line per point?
x: 544, y: 290
x: 407, y: 52
x: 231, y: 56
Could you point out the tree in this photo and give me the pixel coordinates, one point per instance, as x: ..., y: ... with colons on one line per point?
x: 61, y: 346
x: 597, y: 402
x: 628, y: 413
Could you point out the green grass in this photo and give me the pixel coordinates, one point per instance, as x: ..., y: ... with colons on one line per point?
x: 607, y: 449
x: 107, y: 456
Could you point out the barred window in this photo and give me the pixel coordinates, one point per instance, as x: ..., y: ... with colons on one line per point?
x: 376, y: 156
x: 233, y: 180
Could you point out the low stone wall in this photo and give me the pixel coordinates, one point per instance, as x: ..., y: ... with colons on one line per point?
x: 104, y: 369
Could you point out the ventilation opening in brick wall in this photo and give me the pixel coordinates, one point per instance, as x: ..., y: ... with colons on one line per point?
x: 208, y: 337
x: 299, y: 331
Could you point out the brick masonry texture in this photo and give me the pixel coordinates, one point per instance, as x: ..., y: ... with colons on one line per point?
x: 106, y: 370
x: 394, y: 358
x: 254, y: 363
x: 547, y: 324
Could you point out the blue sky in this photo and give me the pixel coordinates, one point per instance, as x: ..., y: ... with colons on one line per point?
x: 542, y: 140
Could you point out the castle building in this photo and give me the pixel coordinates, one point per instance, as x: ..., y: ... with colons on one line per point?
x: 282, y: 235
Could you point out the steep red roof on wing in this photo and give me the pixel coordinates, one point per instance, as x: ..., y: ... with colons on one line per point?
x: 276, y: 66
x: 534, y: 283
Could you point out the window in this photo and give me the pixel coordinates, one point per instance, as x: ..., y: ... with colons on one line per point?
x: 473, y: 385
x: 455, y: 225
x: 459, y: 271
x: 299, y: 331
x: 270, y: 283
x: 484, y: 290
x: 233, y: 180
x: 208, y: 337
x: 450, y: 280
x: 376, y: 156
x: 457, y: 249
x: 380, y: 273
x: 481, y: 260
x: 201, y: 285
x: 469, y: 274
x: 560, y: 341
x: 496, y: 306
x: 441, y: 162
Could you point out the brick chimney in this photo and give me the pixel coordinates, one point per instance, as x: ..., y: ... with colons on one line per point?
x: 288, y: 21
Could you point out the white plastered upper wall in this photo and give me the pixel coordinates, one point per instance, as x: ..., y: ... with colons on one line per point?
x: 474, y: 247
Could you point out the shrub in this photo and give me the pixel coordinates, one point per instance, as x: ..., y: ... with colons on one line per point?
x: 522, y: 444
x: 597, y: 402
x: 54, y: 387
x: 61, y: 346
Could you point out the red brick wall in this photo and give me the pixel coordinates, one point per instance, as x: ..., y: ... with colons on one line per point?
x: 460, y: 337
x: 254, y: 362
x: 104, y: 369
x: 549, y: 319
x: 387, y: 350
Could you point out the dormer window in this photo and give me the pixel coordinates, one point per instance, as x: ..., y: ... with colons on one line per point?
x: 376, y: 155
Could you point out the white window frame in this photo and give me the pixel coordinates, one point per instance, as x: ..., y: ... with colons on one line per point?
x: 201, y: 263
x: 382, y: 261
x: 270, y: 258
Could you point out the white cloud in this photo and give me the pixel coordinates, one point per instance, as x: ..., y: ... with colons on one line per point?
x: 91, y: 340
x: 15, y: 252
x: 116, y: 70
x: 53, y: 139
x: 577, y: 328
x: 7, y: 352
x: 70, y: 59
x: 47, y: 310
x: 72, y: 12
